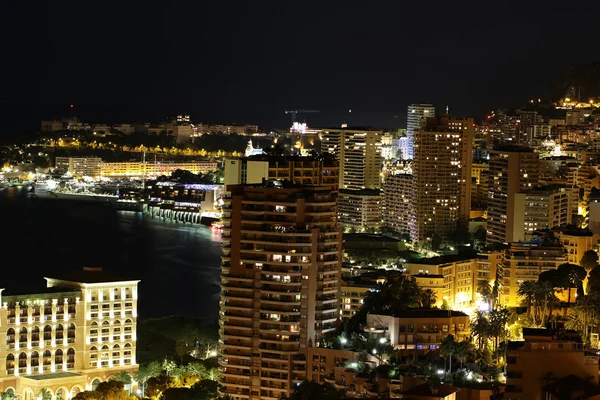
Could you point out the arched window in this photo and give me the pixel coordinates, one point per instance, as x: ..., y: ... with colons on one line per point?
x: 35, y: 359
x: 22, y: 360
x: 116, y: 351
x: 70, y: 358
x: 117, y: 322
x: 10, y: 363
x: 95, y: 383
x: 71, y: 331
x: 23, y: 335
x: 128, y: 321
x: 10, y: 336
x: 93, y: 348
x: 104, y: 323
x: 93, y: 353
x: 105, y: 347
x: 94, y: 324
x: 47, y: 358
x: 127, y: 344
x: 47, y: 332
x: 35, y: 334
x: 60, y: 331
x: 58, y: 357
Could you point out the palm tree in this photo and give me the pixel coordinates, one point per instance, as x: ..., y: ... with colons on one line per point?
x: 497, y: 325
x: 480, y: 328
x: 44, y: 394
x: 528, y: 290
x: 463, y: 350
x: 428, y: 298
x: 448, y: 348
x: 544, y: 298
x: 583, y: 317
x: 485, y: 290
x: 122, y: 376
x: 213, y: 374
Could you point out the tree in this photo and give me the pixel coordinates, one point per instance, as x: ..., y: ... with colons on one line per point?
x: 463, y: 350
x: 448, y: 348
x: 485, y: 290
x: 181, y: 349
x: 528, y: 290
x: 497, y: 325
x: 122, y: 376
x: 570, y: 276
x: 105, y: 387
x: 589, y: 260
x: 428, y: 298
x: 89, y: 395
x: 480, y: 328
x: 206, y: 389
x: 311, y: 390
x: 118, y: 394
x: 213, y: 374
x: 44, y: 394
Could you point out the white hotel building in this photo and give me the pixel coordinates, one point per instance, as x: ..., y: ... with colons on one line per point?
x: 69, y: 336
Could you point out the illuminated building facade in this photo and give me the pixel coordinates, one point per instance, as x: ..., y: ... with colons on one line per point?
x: 149, y: 170
x: 69, y: 336
x: 280, y: 285
x: 415, y: 332
x: 359, y: 155
x: 512, y: 170
x: 536, y: 365
x: 79, y: 166
x: 299, y: 170
x: 442, y: 177
x: 360, y: 209
x: 415, y: 121
x: 525, y: 262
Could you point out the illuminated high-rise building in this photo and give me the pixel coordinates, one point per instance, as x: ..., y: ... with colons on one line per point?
x: 441, y: 177
x: 512, y: 170
x: 415, y: 120
x: 280, y: 285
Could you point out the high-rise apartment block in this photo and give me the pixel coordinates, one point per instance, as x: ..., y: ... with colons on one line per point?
x: 542, y: 208
x: 442, y: 176
x: 415, y: 120
x: 512, y: 170
x: 359, y: 156
x: 281, y: 277
x: 77, y: 331
x: 397, y: 193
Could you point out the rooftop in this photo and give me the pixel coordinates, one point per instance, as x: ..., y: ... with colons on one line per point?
x: 56, y: 375
x: 428, y: 313
x: 572, y: 387
x: 368, y: 237
x: 35, y: 288
x: 91, y: 275
x: 428, y: 390
x: 467, y: 255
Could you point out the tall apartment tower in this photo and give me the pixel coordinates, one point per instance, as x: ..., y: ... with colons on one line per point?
x: 359, y: 156
x: 513, y: 170
x: 415, y: 121
x: 280, y: 285
x: 442, y: 176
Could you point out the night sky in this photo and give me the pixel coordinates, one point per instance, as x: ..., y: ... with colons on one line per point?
x: 248, y: 61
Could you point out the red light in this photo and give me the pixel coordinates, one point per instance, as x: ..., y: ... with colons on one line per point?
x: 489, y: 116
x: 72, y: 106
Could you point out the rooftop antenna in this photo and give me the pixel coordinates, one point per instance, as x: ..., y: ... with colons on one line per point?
x: 447, y: 110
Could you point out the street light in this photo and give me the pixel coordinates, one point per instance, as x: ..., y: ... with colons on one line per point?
x: 343, y: 340
x: 382, y: 340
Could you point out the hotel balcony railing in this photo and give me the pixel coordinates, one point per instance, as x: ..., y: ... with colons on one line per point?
x: 287, y: 301
x: 284, y: 319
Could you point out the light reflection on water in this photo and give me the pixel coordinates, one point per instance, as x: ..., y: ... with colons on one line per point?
x: 178, y: 264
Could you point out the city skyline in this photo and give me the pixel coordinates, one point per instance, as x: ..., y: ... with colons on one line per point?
x: 261, y: 62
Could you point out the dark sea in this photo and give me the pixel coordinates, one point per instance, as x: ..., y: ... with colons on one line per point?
x: 178, y: 265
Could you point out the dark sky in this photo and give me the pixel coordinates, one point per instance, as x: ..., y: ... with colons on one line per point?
x: 248, y: 61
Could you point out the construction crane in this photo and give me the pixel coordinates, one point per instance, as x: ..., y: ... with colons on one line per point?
x: 296, y: 112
